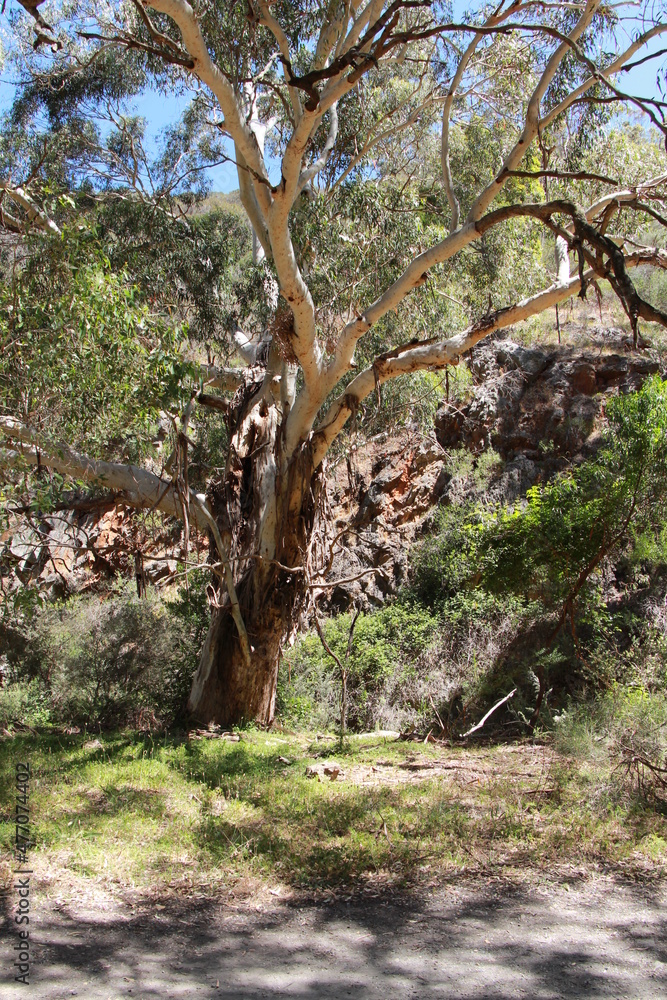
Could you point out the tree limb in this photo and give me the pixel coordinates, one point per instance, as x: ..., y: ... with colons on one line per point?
x: 209, y: 73
x: 436, y: 355
x: 137, y: 487
x: 34, y: 213
x: 532, y: 123
x: 614, y: 67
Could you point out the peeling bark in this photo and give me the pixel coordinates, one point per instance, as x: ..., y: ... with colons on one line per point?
x: 266, y: 507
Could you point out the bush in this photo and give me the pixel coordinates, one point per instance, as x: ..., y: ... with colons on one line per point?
x: 627, y: 728
x: 109, y: 661
x: 384, y: 676
x: 24, y: 703
x: 448, y: 560
x: 547, y: 563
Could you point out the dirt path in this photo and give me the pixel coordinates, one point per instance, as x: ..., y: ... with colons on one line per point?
x: 477, y: 939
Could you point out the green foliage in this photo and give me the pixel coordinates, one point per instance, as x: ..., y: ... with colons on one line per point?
x: 542, y: 564
x: 448, y: 559
x: 549, y: 547
x: 385, y: 646
x: 24, y: 703
x: 628, y: 728
x: 80, y: 355
x: 108, y: 661
x: 188, y: 615
x: 196, y: 267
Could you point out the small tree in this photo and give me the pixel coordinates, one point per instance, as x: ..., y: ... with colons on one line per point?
x: 336, y: 115
x: 591, y: 513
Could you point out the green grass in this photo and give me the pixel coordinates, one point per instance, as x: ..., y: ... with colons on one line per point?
x: 138, y: 813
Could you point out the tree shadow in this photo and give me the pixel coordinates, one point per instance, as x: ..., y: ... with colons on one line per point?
x: 464, y: 941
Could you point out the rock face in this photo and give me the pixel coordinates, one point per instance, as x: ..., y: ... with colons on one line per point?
x: 533, y: 409
x: 530, y: 400
x: 391, y: 484
x: 536, y: 408
x: 82, y: 549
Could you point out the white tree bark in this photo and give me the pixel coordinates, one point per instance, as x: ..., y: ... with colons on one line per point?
x: 36, y: 216
x: 433, y: 356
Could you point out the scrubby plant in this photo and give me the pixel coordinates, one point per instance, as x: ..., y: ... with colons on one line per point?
x: 590, y: 513
x: 626, y: 728
x: 107, y: 660
x: 383, y: 665
x: 24, y: 703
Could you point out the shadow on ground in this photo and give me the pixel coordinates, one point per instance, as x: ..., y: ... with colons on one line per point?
x: 469, y: 940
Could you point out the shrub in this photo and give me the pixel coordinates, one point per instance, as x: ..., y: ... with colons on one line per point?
x: 627, y: 728
x: 383, y: 661
x: 546, y: 563
x: 448, y: 560
x: 24, y: 703
x: 105, y: 658
x: 111, y: 660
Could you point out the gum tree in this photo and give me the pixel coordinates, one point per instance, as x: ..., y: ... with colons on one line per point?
x: 311, y: 97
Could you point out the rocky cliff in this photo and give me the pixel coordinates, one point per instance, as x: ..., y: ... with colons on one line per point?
x: 529, y: 412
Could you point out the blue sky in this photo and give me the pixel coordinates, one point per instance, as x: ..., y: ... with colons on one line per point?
x: 159, y: 111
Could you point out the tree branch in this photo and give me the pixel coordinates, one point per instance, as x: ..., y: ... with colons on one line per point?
x: 34, y: 213
x: 270, y: 22
x: 454, y: 206
x: 614, y: 67
x: 436, y: 355
x: 320, y: 163
x: 137, y: 487
x: 185, y: 18
x: 585, y: 232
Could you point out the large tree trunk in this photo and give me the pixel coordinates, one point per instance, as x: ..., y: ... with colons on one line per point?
x: 226, y: 689
x: 266, y: 509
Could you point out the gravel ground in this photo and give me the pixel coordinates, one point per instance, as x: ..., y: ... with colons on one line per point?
x: 478, y: 938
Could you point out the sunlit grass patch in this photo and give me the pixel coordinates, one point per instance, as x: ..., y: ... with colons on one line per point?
x: 129, y: 812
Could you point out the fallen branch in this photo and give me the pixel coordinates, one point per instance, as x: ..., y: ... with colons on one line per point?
x: 489, y: 714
